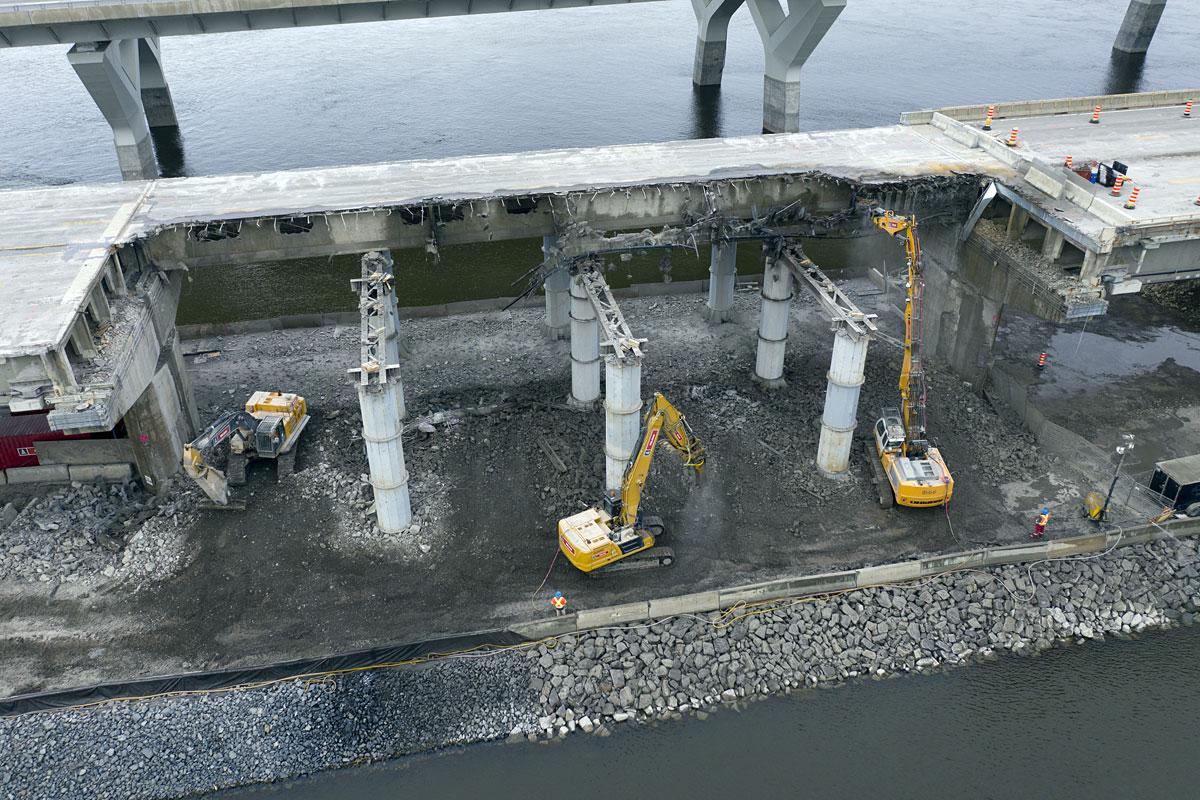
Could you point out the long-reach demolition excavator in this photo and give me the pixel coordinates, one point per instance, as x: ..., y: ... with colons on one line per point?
x: 267, y: 427
x: 600, y: 537
x: 907, y: 466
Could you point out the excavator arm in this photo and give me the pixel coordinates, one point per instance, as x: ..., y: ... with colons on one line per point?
x: 912, y: 373
x: 662, y: 422
x: 198, y: 453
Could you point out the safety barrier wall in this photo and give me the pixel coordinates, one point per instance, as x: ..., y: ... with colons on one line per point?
x: 866, y: 577
x: 1065, y: 105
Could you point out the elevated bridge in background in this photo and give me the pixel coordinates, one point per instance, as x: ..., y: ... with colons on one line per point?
x: 90, y: 274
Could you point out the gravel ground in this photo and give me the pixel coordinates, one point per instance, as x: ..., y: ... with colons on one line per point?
x: 591, y: 682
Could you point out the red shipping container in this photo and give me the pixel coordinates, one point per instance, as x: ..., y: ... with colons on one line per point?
x: 20, y: 433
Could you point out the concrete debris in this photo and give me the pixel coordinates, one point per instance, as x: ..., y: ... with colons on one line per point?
x: 87, y: 531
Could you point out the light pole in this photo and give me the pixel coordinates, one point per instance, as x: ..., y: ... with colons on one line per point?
x: 1122, y: 451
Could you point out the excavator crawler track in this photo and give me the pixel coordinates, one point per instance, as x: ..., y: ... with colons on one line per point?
x: 646, y: 559
x: 882, y: 487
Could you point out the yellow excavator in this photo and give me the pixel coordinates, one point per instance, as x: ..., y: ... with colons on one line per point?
x: 268, y: 427
x: 907, y: 467
x: 619, y: 532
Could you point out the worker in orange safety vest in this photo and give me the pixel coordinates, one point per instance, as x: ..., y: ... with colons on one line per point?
x: 560, y: 604
x: 1039, y: 525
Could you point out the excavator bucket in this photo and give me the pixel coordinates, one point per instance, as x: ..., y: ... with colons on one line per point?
x: 208, y: 478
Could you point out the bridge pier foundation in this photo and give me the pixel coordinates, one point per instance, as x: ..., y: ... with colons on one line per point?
x: 1137, y: 29
x: 156, y: 95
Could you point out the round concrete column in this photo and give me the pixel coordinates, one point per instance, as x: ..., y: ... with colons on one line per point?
x: 841, y: 402
x: 385, y: 451
x: 585, y: 347
x: 622, y: 407
x: 558, y: 298
x: 773, y: 324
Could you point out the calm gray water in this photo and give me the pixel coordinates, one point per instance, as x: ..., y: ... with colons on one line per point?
x: 1114, y: 720
x: 1109, y: 720
x: 497, y: 83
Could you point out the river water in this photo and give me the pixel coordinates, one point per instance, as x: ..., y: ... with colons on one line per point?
x: 1110, y: 720
x: 507, y: 82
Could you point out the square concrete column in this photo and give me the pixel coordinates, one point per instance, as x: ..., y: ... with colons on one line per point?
x: 841, y: 402
x: 157, y: 428
x: 1093, y: 264
x: 1138, y: 27
x: 722, y: 278
x: 622, y: 416
x: 1018, y: 218
x: 173, y: 356
x: 585, y: 348
x: 557, y: 287
x: 112, y: 79
x: 773, y: 323
x: 378, y: 400
x: 1052, y: 245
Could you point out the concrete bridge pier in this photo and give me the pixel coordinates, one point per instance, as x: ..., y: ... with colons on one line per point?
x: 381, y: 261
x: 773, y: 323
x: 1137, y: 29
x: 788, y: 40
x: 722, y: 279
x: 846, y: 375
x: 378, y: 400
x: 125, y: 79
x: 585, y: 347
x: 622, y: 416
x: 712, y: 20
x: 557, y: 287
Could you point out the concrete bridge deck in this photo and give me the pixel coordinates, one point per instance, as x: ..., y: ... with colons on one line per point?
x: 69, y: 255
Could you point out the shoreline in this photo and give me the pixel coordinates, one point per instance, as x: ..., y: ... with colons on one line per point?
x: 593, y: 681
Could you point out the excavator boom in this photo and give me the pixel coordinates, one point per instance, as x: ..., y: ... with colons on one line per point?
x: 598, y: 537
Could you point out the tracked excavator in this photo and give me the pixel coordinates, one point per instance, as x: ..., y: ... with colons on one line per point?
x: 268, y: 427
x: 908, y: 468
x: 618, y: 536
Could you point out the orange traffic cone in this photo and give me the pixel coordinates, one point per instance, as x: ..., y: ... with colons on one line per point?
x: 1069, y: 164
x: 1095, y: 120
x: 1012, y: 138
x: 991, y: 112
x: 1198, y: 201
x: 1187, y: 108
x: 1133, y: 197
x: 1042, y: 361
x: 1120, y: 184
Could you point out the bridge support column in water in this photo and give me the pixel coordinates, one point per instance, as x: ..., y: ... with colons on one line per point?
x: 1139, y: 25
x: 125, y: 79
x: 585, y: 347
x: 722, y: 277
x: 846, y: 369
x: 558, y: 298
x: 622, y: 411
x: 788, y: 40
x: 773, y: 322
